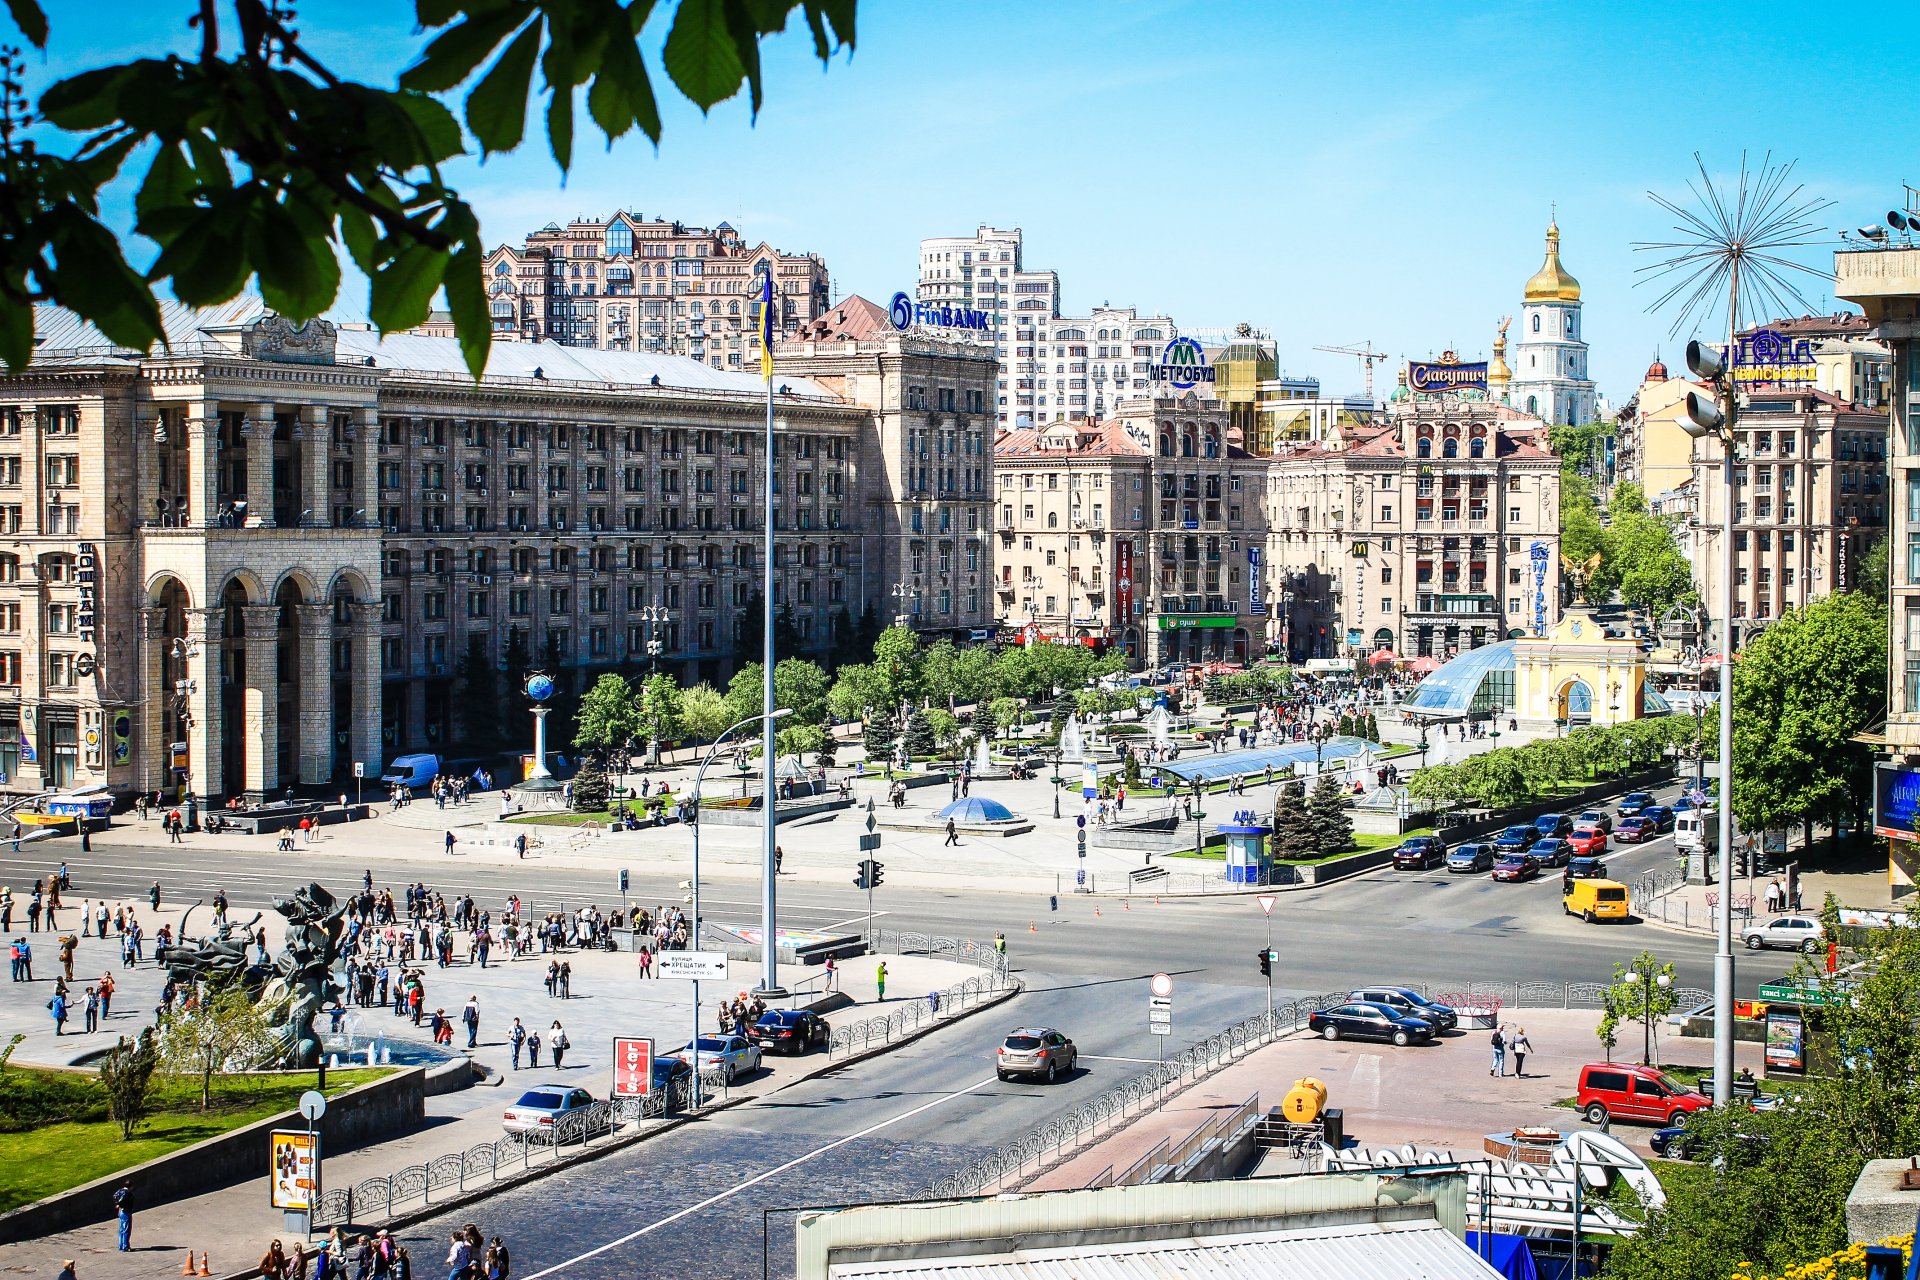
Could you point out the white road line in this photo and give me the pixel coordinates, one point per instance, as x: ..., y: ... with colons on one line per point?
x: 730, y: 1192
x: 859, y: 919
x: 1095, y: 1057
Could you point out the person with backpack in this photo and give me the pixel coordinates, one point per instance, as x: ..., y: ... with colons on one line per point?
x: 1499, y: 1067
x: 471, y: 1017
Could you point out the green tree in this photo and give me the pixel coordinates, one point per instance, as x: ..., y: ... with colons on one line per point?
x: 799, y: 739
x: 1641, y: 992
x: 1293, y: 837
x: 703, y: 713
x: 1006, y: 712
x: 896, y: 660
x: 946, y: 729
x: 1327, y: 815
x: 798, y: 685
x: 940, y: 672
x: 1801, y: 690
x: 1875, y: 574
x: 920, y: 738
x: 1016, y: 673
x: 264, y: 164
x: 126, y: 1073
x: 656, y: 713
x: 591, y: 789
x: 857, y: 689
x: 879, y: 734
x: 222, y: 1030
x: 607, y: 719
x: 1653, y: 575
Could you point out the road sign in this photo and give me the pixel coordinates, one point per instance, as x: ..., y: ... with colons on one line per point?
x: 623, y: 880
x: 313, y: 1105
x: 1080, y: 876
x: 694, y: 965
x: 1160, y: 985
x: 1266, y: 901
x: 632, y: 1067
x: 359, y: 769
x: 1159, y: 1023
x: 872, y: 822
x: 869, y: 842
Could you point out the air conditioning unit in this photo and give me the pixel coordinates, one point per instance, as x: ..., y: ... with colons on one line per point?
x: 439, y: 668
x: 436, y: 495
x: 485, y: 579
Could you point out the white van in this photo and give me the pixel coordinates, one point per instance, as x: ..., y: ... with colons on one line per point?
x: 1696, y: 831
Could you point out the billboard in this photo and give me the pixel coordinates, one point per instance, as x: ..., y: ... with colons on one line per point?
x: 1444, y: 374
x: 632, y: 1067
x: 1786, y: 1039
x: 293, y: 1163
x: 1896, y: 801
x: 1123, y: 579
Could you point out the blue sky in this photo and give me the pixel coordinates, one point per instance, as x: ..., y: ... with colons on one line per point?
x: 1334, y: 173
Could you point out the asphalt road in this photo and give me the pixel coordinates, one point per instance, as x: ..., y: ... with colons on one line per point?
x: 886, y: 1127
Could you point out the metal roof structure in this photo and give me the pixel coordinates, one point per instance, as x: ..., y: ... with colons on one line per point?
x: 1414, y: 1250
x: 1211, y: 768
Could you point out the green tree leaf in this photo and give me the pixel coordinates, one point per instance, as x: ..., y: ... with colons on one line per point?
x: 403, y: 290
x: 497, y: 107
x: 455, y: 53
x: 701, y: 55
x: 32, y: 21
x: 467, y: 302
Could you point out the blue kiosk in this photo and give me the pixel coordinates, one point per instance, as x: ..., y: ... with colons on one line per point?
x: 1247, y: 859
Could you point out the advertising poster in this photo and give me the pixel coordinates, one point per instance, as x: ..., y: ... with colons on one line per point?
x: 293, y: 1169
x: 632, y: 1067
x: 1786, y: 1040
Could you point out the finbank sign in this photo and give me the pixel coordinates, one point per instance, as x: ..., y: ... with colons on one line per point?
x: 906, y: 313
x: 1183, y: 364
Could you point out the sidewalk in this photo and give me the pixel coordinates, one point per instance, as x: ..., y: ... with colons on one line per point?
x: 1692, y: 908
x: 1440, y: 1096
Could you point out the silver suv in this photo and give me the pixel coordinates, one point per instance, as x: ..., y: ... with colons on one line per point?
x: 1041, y: 1052
x: 1798, y: 933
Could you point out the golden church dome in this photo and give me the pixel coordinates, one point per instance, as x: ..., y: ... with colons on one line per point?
x: 1551, y: 283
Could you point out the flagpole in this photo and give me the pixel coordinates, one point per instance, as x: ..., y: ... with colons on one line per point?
x: 769, y: 944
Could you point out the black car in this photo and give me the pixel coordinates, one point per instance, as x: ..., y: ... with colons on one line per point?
x: 1516, y: 839
x: 1420, y: 852
x: 1586, y: 869
x: 1410, y: 1004
x: 1552, y: 852
x: 790, y: 1031
x: 1554, y: 824
x: 1659, y: 815
x: 1633, y: 803
x: 1373, y: 1021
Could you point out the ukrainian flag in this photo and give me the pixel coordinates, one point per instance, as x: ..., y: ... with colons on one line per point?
x: 766, y: 326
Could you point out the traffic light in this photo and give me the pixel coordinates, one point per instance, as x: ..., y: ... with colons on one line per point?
x: 1266, y: 962
x: 874, y: 872
x: 860, y: 876
x: 868, y: 875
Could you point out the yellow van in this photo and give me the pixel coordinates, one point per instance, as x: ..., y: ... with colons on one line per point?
x: 1594, y: 900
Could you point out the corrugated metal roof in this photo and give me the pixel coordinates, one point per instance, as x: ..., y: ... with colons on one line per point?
x: 1363, y: 1251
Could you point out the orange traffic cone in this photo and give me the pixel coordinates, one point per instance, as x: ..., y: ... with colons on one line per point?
x: 205, y: 1270
x: 187, y: 1268
x: 1096, y: 911
x: 1030, y: 928
x: 1126, y: 904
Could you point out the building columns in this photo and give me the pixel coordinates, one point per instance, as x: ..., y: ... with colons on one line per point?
x: 366, y: 467
x: 314, y: 751
x: 203, y: 704
x: 316, y: 465
x: 368, y: 672
x: 259, y: 432
x: 151, y: 740
x: 203, y: 467
x: 261, y: 718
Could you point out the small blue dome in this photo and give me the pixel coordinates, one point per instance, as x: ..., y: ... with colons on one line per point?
x: 976, y: 809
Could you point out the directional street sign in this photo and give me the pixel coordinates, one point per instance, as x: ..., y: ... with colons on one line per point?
x: 692, y: 964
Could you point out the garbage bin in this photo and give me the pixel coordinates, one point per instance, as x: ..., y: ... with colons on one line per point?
x: 1333, y: 1127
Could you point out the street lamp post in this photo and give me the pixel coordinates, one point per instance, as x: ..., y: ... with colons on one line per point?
x: 694, y: 933
x: 1196, y: 816
x: 1054, y: 760
x: 1715, y: 418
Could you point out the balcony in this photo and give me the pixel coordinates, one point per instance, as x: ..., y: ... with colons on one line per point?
x: 1454, y: 606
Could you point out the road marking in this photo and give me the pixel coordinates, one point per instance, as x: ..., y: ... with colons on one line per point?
x: 1366, y: 1079
x: 859, y: 919
x: 728, y: 1194
x: 1095, y: 1057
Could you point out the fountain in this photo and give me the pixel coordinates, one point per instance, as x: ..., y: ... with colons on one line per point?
x: 1073, y: 742
x: 982, y: 758
x: 1160, y: 724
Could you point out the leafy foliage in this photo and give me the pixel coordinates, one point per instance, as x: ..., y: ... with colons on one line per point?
x: 1327, y: 816
x: 921, y: 738
x: 220, y: 1028
x: 606, y: 720
x: 1293, y: 833
x: 260, y: 163
x: 1508, y: 777
x: 1801, y: 690
x: 126, y: 1073
x: 1636, y: 996
x: 703, y: 713
x: 591, y: 790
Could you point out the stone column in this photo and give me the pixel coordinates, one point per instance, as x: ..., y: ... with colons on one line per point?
x: 33, y: 477
x: 366, y: 464
x: 150, y: 740
x: 364, y: 738
x: 259, y: 433
x: 314, y: 757
x: 262, y: 715
x: 203, y: 463
x: 204, y: 758
x: 316, y: 465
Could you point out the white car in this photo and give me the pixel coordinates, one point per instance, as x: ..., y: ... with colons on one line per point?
x: 1797, y: 933
x: 736, y: 1054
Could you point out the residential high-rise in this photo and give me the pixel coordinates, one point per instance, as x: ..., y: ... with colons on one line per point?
x: 629, y: 283
x: 1550, y: 361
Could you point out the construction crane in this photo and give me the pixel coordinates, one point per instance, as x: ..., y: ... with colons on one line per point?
x: 1366, y: 355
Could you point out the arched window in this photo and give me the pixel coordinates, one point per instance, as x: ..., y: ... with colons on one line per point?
x: 1579, y: 699
x: 1213, y: 444
x: 619, y: 240
x: 1423, y: 447
x: 1536, y: 324
x: 1053, y: 519
x: 1187, y: 449
x: 1533, y: 405
x: 1477, y: 447
x: 733, y: 308
x: 501, y: 268
x: 1450, y: 448
x: 1166, y: 448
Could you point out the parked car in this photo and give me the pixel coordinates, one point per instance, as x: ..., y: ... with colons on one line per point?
x: 1372, y: 1021
x: 735, y: 1054
x: 1516, y: 866
x: 790, y: 1031
x: 1516, y: 839
x: 1633, y: 803
x: 1471, y: 858
x: 1596, y: 900
x: 1799, y: 933
x: 1660, y: 816
x: 1409, y: 1003
x: 1587, y: 841
x: 1553, y: 824
x: 1586, y: 869
x: 668, y: 1072
x: 1636, y: 830
x: 1035, y: 1051
x: 542, y: 1107
x: 1683, y: 804
x: 1552, y: 852
x: 1619, y: 1091
x: 1419, y: 853
x: 1594, y: 818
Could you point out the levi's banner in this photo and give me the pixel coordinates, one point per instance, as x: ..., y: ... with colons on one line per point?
x: 1432, y: 377
x: 632, y: 1067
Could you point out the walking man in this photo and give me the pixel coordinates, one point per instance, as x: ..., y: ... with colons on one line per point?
x: 449, y: 843
x: 517, y: 1039
x: 953, y: 834
x: 471, y: 1016
x: 123, y: 1204
x: 1499, y: 1067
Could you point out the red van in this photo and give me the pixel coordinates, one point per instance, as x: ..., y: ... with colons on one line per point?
x: 1622, y: 1091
